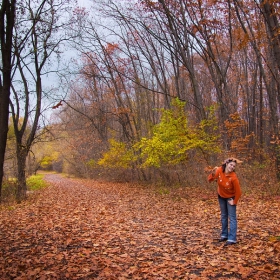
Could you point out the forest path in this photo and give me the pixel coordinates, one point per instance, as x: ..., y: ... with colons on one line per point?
x: 83, y: 229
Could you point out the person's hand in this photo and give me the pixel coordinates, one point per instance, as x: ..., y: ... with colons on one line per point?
x: 214, y: 171
x: 231, y: 202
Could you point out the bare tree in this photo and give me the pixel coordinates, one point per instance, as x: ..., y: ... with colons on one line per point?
x: 40, y: 30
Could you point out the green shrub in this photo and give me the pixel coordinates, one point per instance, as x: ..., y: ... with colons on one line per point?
x: 35, y: 182
x: 170, y: 142
x: 173, y: 138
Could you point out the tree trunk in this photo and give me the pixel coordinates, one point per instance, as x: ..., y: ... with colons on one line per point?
x: 261, y: 122
x: 273, y: 26
x: 7, y: 18
x: 21, y: 166
x: 4, y: 124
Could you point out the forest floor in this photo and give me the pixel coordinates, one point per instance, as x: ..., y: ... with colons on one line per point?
x: 83, y: 229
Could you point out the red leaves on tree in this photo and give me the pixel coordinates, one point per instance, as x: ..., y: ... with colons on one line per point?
x: 111, y: 48
x: 57, y: 105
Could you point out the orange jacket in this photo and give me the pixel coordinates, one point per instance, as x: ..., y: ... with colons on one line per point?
x: 228, y: 184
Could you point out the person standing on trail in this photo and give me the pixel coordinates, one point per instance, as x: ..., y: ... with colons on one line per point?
x: 229, y: 192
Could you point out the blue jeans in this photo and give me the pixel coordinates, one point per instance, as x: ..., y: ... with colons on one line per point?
x: 228, y: 212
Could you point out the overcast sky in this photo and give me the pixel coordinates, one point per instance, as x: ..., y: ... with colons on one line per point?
x: 84, y: 3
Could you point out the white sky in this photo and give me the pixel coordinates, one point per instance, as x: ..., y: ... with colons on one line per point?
x: 84, y: 3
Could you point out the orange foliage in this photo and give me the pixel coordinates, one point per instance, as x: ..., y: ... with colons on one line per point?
x: 57, y: 105
x: 111, y: 48
x: 240, y: 38
x: 234, y: 129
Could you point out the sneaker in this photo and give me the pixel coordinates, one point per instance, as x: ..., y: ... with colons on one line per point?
x: 222, y: 239
x: 228, y: 243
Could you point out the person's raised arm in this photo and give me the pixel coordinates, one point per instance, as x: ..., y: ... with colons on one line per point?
x: 213, y: 175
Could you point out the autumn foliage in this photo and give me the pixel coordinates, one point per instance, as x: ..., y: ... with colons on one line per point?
x: 172, y: 84
x: 161, y: 87
x: 170, y: 142
x: 160, y: 92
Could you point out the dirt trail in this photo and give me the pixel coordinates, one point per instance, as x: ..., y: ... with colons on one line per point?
x: 82, y: 229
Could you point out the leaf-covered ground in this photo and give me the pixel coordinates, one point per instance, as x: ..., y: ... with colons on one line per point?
x: 81, y: 229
